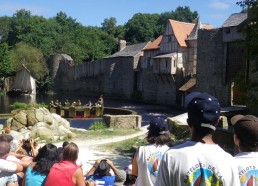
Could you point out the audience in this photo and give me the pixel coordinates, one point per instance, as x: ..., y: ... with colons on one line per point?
x: 66, y: 172
x: 28, y: 148
x: 100, y: 172
x: 199, y: 161
x: 147, y: 158
x: 38, y: 170
x: 246, y: 138
x: 8, y: 169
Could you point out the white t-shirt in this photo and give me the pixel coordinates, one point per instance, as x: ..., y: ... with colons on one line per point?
x: 148, y: 159
x: 7, y: 166
x: 194, y: 163
x: 247, y: 167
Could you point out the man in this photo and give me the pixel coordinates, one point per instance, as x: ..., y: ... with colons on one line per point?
x: 246, y: 138
x: 8, y: 168
x: 199, y: 161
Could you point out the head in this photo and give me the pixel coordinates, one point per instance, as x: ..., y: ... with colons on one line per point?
x: 45, y: 159
x: 203, y: 113
x: 245, y: 132
x: 65, y: 143
x: 103, y: 168
x: 158, y: 132
x: 6, y: 138
x: 71, y: 152
x: 4, y: 150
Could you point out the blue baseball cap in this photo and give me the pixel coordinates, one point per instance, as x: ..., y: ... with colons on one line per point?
x: 203, y: 109
x: 158, y: 125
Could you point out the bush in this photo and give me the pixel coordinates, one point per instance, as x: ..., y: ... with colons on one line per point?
x: 98, y: 126
x: 18, y: 105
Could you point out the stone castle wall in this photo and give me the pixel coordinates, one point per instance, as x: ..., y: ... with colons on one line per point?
x: 210, y: 75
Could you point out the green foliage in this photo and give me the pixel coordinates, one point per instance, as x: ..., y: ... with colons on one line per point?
x: 19, y: 105
x: 31, y: 57
x: 6, y: 67
x: 98, y: 126
x: 178, y: 131
x: 127, y: 146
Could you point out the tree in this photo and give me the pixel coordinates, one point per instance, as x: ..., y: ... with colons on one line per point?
x: 251, y: 31
x: 5, y: 23
x: 141, y: 28
x: 31, y: 57
x: 109, y: 26
x: 6, y: 67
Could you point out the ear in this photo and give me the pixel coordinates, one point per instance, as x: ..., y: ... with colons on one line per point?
x: 236, y: 140
x: 189, y: 123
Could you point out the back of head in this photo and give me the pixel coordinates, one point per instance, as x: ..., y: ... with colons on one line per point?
x: 6, y: 138
x: 71, y: 152
x: 47, y: 152
x: 65, y: 143
x: 246, y: 130
x: 4, y: 149
x: 158, y: 132
x: 203, y: 111
x: 103, y: 168
x: 45, y: 159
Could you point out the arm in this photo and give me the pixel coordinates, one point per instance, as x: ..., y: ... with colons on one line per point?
x: 33, y: 149
x: 20, y: 145
x: 135, y: 164
x: 93, y: 168
x: 10, y: 166
x: 78, y: 178
x: 120, y: 174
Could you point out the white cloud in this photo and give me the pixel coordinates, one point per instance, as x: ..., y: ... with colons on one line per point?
x: 11, y: 8
x: 215, y: 4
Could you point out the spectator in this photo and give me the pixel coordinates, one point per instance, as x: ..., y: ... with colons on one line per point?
x: 60, y: 150
x: 100, y: 102
x: 100, y: 172
x: 147, y: 158
x: 246, y: 138
x: 8, y: 169
x: 27, y: 147
x: 67, y: 172
x: 199, y: 161
x: 41, y: 165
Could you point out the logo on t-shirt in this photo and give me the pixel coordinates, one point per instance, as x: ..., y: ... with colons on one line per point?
x: 202, y: 174
x: 153, y: 163
x: 249, y: 176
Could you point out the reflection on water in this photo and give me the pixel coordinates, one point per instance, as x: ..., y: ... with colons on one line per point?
x: 147, y: 111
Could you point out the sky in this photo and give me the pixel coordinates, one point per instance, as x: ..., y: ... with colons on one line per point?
x: 93, y: 12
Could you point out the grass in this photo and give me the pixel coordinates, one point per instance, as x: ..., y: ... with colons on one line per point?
x: 126, y: 146
x: 105, y: 133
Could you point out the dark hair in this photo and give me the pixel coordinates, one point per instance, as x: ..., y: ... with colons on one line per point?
x: 199, y: 130
x: 71, y: 152
x: 65, y: 143
x: 244, y: 144
x: 158, y: 139
x: 26, y: 146
x: 45, y: 159
x: 4, y: 148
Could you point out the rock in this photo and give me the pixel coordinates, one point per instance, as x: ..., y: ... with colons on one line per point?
x: 31, y: 118
x: 16, y: 125
x: 42, y: 133
x: 40, y: 114
x: 21, y: 117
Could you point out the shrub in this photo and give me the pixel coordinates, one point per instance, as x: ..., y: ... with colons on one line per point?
x: 18, y: 105
x: 98, y: 126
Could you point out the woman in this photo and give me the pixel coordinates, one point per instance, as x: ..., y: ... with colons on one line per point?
x: 147, y: 158
x: 66, y: 172
x: 38, y: 170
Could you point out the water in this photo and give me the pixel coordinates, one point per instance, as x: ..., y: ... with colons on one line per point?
x: 147, y: 111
